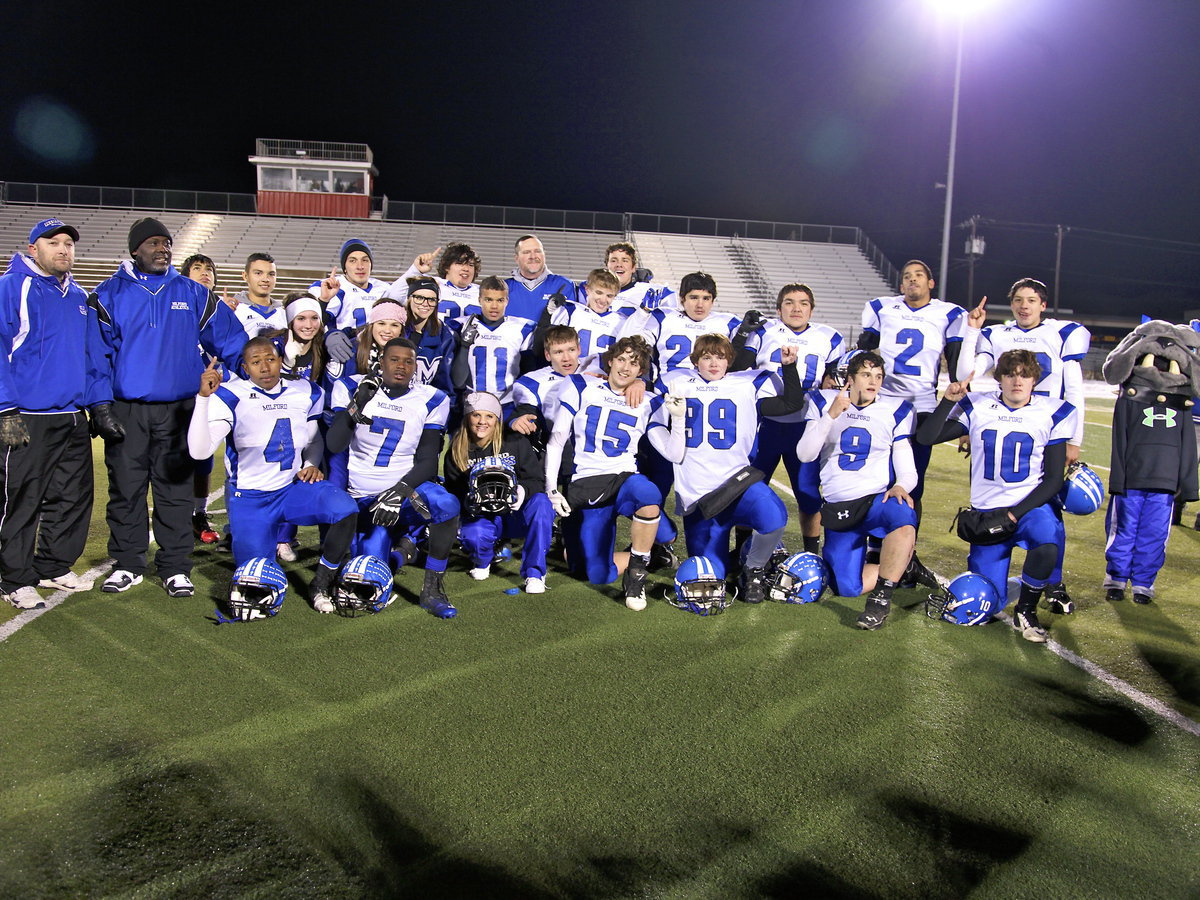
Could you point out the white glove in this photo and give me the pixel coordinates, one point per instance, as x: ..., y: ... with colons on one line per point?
x: 292, y: 351
x: 520, y: 497
x: 560, y: 504
x: 676, y: 405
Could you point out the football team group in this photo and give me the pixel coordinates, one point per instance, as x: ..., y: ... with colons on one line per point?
x: 568, y: 406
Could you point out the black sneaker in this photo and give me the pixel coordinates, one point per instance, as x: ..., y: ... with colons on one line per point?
x: 663, y: 557
x: 751, y: 585
x: 1058, y: 600
x: 1142, y: 599
x: 202, y: 530
x: 433, y: 597
x: 918, y: 573
x: 875, y: 613
x: 1025, y: 620
x: 633, y: 584
x: 1115, y: 595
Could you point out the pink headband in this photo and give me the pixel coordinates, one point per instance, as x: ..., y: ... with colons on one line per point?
x: 387, y: 310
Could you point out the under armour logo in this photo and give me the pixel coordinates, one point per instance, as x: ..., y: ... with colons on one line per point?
x: 1149, y: 417
x: 844, y: 514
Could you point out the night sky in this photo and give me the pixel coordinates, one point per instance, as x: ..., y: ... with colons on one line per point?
x: 1074, y: 112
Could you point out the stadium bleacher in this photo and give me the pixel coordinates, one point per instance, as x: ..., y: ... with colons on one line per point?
x: 748, y: 272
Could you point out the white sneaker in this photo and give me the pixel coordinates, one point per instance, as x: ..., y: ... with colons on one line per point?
x: 637, y: 604
x: 323, y: 603
x: 25, y: 597
x: 69, y: 582
x: 285, y: 552
x: 179, y: 586
x: 481, y: 573
x: 120, y: 581
x: 535, y: 585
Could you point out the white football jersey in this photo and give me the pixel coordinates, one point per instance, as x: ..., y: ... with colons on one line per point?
x: 268, y: 431
x: 1052, y: 342
x: 672, y: 334
x: 722, y: 427
x: 348, y: 308
x: 817, y: 346
x: 597, y: 331
x: 495, y: 357
x: 1007, y: 445
x: 452, y: 301
x: 856, y: 460
x: 383, y: 452
x: 606, y: 429
x: 911, y: 342
x: 260, y: 319
x: 540, y: 388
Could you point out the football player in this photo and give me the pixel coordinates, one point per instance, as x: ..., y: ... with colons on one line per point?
x: 635, y: 290
x: 594, y: 318
x: 867, y: 475
x: 606, y: 483
x: 490, y: 345
x: 715, y: 485
x: 818, y: 347
x: 201, y: 269
x: 478, y: 448
x: 348, y: 297
x: 393, y: 428
x: 253, y: 306
x: 1018, y: 441
x: 671, y: 333
x: 457, y: 268
x: 273, y: 451
x: 535, y: 394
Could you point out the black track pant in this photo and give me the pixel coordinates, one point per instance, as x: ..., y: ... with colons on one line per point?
x: 153, y: 454
x: 46, y: 491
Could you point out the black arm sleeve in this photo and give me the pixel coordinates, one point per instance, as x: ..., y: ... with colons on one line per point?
x: 793, y: 395
x: 952, y: 351
x: 537, y: 348
x: 745, y: 360
x: 868, y: 340
x: 460, y: 369
x: 1054, y: 462
x: 936, y: 429
x: 340, y: 432
x: 425, y: 460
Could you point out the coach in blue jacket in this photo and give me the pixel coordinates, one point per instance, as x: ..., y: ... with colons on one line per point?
x: 151, y: 322
x: 46, y: 383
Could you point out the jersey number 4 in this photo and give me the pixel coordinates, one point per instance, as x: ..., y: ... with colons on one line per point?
x: 279, y: 447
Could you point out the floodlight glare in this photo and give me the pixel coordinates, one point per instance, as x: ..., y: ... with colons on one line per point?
x: 964, y: 9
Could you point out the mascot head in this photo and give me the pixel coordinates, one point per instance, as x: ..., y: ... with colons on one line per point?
x: 1157, y: 356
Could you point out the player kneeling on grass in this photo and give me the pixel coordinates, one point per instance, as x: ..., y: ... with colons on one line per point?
x: 861, y: 439
x: 606, y: 483
x: 715, y: 484
x: 272, y: 447
x: 498, y: 480
x: 394, y: 430
x: 1019, y: 451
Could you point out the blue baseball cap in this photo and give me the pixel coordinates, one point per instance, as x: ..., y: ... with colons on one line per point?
x: 51, y: 227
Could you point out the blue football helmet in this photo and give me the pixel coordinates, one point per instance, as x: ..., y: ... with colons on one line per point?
x: 257, y: 590
x: 1083, y: 491
x: 842, y: 372
x: 698, y: 587
x: 970, y: 599
x: 492, y: 486
x: 365, y: 586
x: 801, y: 578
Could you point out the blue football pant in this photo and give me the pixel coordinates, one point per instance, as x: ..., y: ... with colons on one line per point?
x: 1036, y: 528
x: 1138, y: 525
x: 534, y: 521
x: 845, y: 552
x: 777, y: 441
x: 591, y: 533
x: 255, y: 516
x: 759, y: 509
x: 376, y: 540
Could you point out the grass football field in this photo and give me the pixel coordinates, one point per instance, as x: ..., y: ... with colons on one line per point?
x: 563, y: 746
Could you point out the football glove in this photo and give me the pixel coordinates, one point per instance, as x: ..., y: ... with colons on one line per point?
x: 750, y: 323
x: 386, y: 508
x: 676, y: 405
x: 104, y: 423
x: 363, y: 395
x: 470, y: 331
x: 560, y: 504
x: 556, y: 301
x: 292, y: 351
x: 13, y: 432
x: 339, y: 346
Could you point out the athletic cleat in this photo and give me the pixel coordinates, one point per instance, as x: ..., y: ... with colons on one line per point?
x: 405, y: 551
x: 1058, y: 600
x: 1115, y: 595
x: 535, y: 585
x: 433, y: 597
x: 751, y: 585
x: 120, y: 581
x: 68, y: 581
x: 634, y: 584
x: 875, y: 613
x: 284, y: 551
x: 321, y: 589
x: 322, y: 602
x: 1141, y: 599
x: 481, y: 573
x: 918, y: 573
x: 503, y: 552
x: 179, y: 586
x: 203, y: 531
x: 25, y: 597
x: 663, y: 557
x: 1026, y: 622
